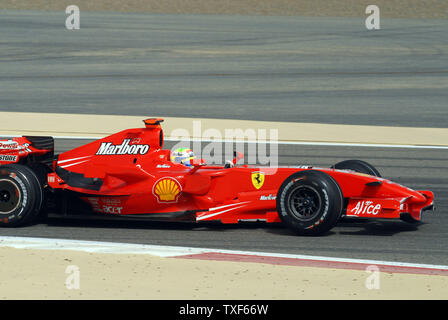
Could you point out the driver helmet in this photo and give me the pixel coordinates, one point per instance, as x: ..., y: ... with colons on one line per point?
x: 183, y: 156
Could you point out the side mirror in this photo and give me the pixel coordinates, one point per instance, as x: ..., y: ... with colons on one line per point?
x: 196, y: 163
x: 237, y: 156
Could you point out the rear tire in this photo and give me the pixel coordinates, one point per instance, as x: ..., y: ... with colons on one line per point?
x: 310, y: 202
x: 358, y: 166
x: 21, y: 195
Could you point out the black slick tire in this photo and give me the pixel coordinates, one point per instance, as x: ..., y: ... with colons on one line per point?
x: 21, y: 195
x: 358, y: 166
x: 310, y: 202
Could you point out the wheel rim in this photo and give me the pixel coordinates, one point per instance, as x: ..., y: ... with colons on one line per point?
x: 305, y: 203
x: 10, y: 196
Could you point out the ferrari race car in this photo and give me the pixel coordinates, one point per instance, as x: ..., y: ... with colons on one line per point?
x: 128, y: 174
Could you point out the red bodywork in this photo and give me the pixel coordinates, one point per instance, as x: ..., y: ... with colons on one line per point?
x: 17, y: 149
x: 128, y: 173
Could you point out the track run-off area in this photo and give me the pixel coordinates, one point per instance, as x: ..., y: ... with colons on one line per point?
x: 331, y: 90
x: 396, y: 248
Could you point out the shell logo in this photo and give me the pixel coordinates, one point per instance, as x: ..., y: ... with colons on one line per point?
x: 167, y: 190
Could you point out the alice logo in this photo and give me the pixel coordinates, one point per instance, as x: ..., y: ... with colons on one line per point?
x: 167, y: 189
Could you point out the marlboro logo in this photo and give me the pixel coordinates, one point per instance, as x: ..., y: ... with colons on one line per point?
x: 125, y: 148
x: 269, y: 197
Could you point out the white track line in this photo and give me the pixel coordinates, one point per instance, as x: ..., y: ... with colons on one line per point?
x: 95, y: 246
x: 173, y: 251
x: 301, y: 143
x: 318, y: 143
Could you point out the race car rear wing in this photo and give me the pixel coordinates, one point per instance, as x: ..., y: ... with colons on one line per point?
x: 26, y: 149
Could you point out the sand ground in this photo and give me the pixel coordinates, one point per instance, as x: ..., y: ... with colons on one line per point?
x: 77, y: 125
x: 426, y: 9
x: 43, y: 274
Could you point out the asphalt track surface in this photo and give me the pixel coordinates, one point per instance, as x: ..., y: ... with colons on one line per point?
x: 427, y: 242
x: 325, y: 70
x: 300, y: 69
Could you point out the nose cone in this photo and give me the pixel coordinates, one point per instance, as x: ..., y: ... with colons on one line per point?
x: 421, y: 201
x: 413, y: 196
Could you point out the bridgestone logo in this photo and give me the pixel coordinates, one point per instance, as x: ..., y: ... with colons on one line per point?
x: 8, y: 158
x: 107, y: 148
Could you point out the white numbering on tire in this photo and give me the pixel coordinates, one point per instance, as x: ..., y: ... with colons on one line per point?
x: 24, y: 193
x: 326, y: 207
x: 282, y: 198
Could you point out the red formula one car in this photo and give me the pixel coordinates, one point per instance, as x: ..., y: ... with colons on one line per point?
x: 128, y: 174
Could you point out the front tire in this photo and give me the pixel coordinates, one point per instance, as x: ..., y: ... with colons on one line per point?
x: 21, y: 195
x: 310, y: 202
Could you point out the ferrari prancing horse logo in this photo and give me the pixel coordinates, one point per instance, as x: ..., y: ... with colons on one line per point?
x: 257, y: 179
